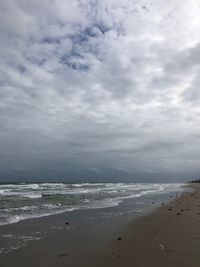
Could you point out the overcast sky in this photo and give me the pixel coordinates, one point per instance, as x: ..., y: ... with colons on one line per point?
x: 99, y: 89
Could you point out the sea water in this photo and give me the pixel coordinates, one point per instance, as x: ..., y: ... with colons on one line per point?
x: 30, y: 200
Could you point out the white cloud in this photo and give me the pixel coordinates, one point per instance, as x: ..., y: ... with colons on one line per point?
x: 97, y: 85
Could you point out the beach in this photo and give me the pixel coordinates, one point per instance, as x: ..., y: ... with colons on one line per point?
x: 169, y: 236
x: 166, y: 234
x: 99, y: 133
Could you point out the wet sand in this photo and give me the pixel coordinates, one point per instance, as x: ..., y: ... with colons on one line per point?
x: 167, y: 237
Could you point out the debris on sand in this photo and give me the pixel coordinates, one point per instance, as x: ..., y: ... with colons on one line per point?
x: 161, y: 246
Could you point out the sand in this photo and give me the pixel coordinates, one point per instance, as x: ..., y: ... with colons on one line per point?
x: 168, y: 236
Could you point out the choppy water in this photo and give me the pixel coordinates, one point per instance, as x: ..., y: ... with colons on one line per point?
x: 23, y: 201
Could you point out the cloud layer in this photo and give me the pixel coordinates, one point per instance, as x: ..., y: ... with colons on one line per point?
x: 103, y: 89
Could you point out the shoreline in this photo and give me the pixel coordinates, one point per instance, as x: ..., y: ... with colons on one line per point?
x: 161, y: 237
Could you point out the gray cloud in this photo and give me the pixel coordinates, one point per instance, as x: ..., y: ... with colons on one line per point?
x: 99, y: 89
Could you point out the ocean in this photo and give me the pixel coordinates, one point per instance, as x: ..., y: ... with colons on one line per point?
x: 31, y: 200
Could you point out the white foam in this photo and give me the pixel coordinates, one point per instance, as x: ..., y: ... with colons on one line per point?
x: 8, y: 236
x: 52, y: 185
x: 18, y: 242
x: 18, y: 218
x: 94, y: 184
x: 32, y: 195
x: 4, y: 191
x: 24, y: 208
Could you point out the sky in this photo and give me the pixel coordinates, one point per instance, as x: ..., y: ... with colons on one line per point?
x: 96, y: 90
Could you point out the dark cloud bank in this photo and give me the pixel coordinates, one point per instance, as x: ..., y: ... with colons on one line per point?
x: 99, y: 90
